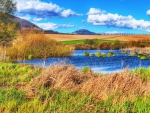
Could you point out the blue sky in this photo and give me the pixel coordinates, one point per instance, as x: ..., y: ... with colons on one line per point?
x: 100, y: 16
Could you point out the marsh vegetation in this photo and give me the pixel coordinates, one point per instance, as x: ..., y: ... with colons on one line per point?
x: 65, y: 89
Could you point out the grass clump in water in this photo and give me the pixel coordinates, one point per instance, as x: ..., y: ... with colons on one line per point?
x: 91, y: 54
x: 85, y: 53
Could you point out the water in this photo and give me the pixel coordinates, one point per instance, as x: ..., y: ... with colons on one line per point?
x: 103, y: 65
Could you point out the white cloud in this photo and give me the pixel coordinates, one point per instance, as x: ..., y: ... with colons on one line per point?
x: 101, y: 18
x: 26, y: 17
x: 69, y: 12
x: 94, y: 11
x: 52, y: 26
x: 148, y: 12
x: 37, y: 19
x: 36, y: 5
x: 43, y: 9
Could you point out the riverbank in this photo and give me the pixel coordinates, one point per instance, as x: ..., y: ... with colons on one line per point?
x: 65, y: 89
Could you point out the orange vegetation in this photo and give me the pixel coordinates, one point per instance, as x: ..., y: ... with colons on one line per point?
x: 66, y: 77
x: 63, y: 37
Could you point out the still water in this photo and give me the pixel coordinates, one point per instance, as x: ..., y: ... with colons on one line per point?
x: 104, y: 65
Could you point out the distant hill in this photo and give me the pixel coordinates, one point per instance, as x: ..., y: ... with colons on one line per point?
x: 25, y: 23
x: 83, y: 32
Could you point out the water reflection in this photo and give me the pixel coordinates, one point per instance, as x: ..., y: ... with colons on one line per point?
x: 103, y: 65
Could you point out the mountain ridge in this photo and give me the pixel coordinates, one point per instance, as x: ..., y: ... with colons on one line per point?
x: 83, y: 32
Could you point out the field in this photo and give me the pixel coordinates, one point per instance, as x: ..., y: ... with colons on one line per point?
x: 61, y: 37
x: 83, y: 40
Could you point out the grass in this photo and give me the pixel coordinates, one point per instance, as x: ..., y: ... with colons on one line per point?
x: 11, y: 74
x: 72, y: 91
x: 143, y: 73
x: 82, y: 41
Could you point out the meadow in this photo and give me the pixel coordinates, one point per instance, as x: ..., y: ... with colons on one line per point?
x: 26, y: 88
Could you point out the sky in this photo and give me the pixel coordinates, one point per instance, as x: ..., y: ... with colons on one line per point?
x: 100, y: 16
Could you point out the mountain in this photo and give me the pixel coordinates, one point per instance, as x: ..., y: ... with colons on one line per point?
x: 25, y: 23
x: 83, y: 32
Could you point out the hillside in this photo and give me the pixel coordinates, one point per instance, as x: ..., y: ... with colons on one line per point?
x: 83, y: 32
x: 25, y: 23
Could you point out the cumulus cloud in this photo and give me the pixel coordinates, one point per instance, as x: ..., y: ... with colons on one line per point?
x: 69, y: 12
x: 94, y: 11
x: 52, y: 26
x: 102, y: 18
x: 148, y: 12
x: 37, y: 19
x: 43, y: 9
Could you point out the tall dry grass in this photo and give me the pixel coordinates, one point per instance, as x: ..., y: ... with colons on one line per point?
x: 121, y: 85
x: 34, y: 44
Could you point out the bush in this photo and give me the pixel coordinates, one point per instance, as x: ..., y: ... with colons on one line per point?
x: 90, y: 41
x: 92, y: 55
x: 98, y: 54
x: 104, y: 45
x: 85, y: 53
x: 84, y: 47
x: 85, y: 70
x: 110, y: 54
x: 118, y: 45
x: 144, y: 57
x: 34, y: 44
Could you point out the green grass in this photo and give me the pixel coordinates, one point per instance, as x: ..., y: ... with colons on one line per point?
x: 143, y: 73
x: 82, y: 41
x: 64, y: 101
x: 11, y: 74
x: 54, y: 101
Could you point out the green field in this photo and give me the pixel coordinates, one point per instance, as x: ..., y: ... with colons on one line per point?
x: 82, y: 41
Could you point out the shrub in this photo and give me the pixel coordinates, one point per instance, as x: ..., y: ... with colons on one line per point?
x: 104, y: 55
x: 98, y: 54
x: 30, y: 57
x: 90, y: 41
x: 85, y: 70
x: 84, y: 47
x: 124, y: 52
x: 144, y: 57
x: 110, y: 54
x: 92, y: 55
x: 34, y: 44
x: 133, y: 53
x: 104, y: 45
x: 85, y: 53
x: 118, y: 45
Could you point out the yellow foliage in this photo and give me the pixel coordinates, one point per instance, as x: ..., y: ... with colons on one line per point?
x: 35, y: 43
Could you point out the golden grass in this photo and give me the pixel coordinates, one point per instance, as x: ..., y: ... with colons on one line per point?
x: 121, y: 85
x: 63, y: 37
x: 34, y: 44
